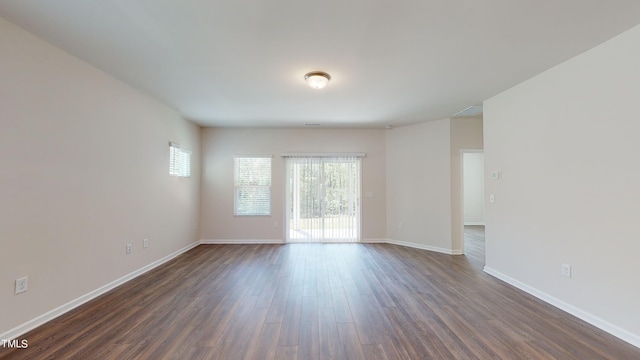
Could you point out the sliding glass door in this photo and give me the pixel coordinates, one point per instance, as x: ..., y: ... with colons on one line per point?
x: 323, y: 199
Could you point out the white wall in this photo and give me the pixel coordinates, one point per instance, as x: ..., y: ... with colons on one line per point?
x: 220, y: 146
x: 418, y: 185
x: 84, y: 171
x: 473, y: 188
x: 567, y: 144
x: 424, y: 182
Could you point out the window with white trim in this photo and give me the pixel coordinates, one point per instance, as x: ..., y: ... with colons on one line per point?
x: 252, y: 178
x: 179, y: 161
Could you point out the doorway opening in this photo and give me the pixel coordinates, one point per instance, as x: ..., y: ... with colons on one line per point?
x: 323, y: 199
x: 473, y: 204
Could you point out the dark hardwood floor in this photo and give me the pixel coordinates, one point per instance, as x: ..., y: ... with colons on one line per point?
x: 319, y: 301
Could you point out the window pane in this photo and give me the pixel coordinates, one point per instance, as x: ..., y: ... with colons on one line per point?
x: 179, y: 161
x: 252, y: 186
x: 253, y: 200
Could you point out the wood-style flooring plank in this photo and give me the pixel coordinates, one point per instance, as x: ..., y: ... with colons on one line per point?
x: 309, y: 340
x: 330, y: 347
x: 267, y: 343
x: 290, y: 330
x: 287, y: 353
x: 349, y: 341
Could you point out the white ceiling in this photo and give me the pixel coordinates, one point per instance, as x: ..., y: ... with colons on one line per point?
x: 242, y: 62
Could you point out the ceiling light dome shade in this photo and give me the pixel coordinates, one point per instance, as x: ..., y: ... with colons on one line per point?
x: 317, y: 79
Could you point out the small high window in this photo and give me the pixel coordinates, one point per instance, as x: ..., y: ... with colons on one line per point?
x: 179, y: 161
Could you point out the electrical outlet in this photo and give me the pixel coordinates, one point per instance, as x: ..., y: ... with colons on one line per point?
x: 145, y: 243
x: 129, y: 248
x: 275, y: 224
x: 22, y: 285
x: 566, y: 270
x: 400, y: 226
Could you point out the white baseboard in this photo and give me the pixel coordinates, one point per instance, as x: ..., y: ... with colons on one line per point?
x: 50, y: 315
x: 614, y: 330
x: 241, y: 241
x: 413, y: 245
x: 265, y: 241
x: 363, y: 241
x: 474, y: 223
x: 374, y: 241
x: 421, y: 246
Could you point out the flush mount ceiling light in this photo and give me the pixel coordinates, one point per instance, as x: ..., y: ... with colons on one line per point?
x: 317, y: 79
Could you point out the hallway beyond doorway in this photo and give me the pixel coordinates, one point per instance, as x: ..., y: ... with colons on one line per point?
x: 474, y: 245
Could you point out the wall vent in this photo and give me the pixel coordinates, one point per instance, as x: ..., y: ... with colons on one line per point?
x: 470, y: 111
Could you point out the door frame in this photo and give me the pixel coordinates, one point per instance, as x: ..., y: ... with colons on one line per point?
x: 461, y: 204
x: 357, y: 201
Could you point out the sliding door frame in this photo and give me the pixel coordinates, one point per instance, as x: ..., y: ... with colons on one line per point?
x: 357, y: 191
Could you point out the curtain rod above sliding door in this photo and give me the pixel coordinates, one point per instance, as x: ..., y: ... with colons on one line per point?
x: 335, y: 155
